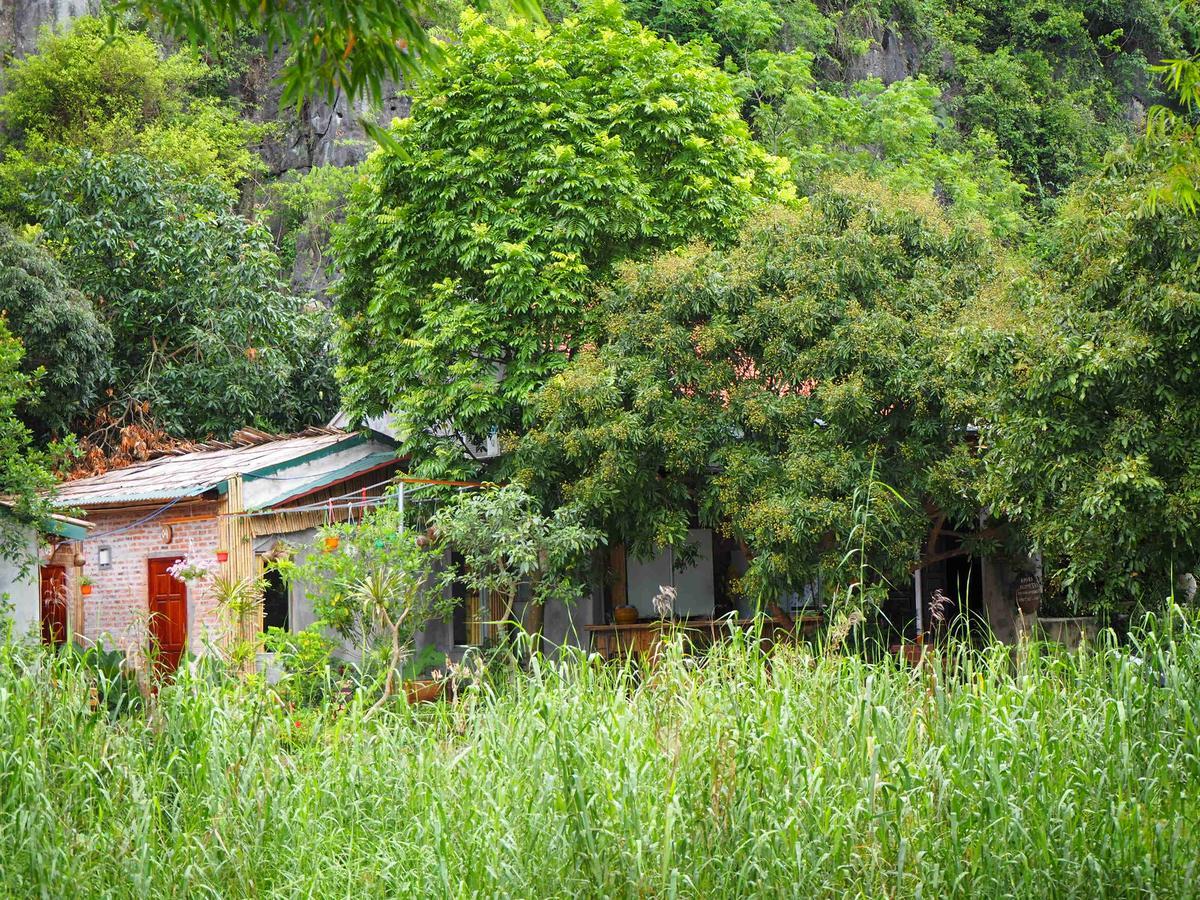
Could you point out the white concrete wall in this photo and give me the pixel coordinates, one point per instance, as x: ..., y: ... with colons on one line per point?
x: 695, y: 590
x: 19, y: 589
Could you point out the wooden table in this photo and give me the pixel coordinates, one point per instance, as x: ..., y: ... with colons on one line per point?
x: 643, y: 638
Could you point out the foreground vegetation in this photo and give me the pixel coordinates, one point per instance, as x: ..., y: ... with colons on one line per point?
x: 801, y: 774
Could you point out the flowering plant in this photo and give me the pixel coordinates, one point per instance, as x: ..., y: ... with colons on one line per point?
x: 188, y: 570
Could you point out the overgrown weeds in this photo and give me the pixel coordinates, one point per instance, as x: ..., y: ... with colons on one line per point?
x: 994, y: 773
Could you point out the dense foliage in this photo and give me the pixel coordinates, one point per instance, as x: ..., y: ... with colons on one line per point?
x: 24, y: 470
x: 778, y: 387
x: 1094, y: 403
x: 534, y: 159
x: 206, y: 334
x: 1051, y: 84
x: 87, y: 90
x: 61, y: 333
x: 794, y: 775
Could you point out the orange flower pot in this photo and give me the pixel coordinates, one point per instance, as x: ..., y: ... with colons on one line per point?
x: 85, y: 589
x: 222, y: 556
x: 625, y: 615
x: 424, y: 691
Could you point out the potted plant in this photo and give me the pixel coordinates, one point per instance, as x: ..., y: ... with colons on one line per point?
x: 421, y: 676
x: 188, y: 570
x: 85, y: 586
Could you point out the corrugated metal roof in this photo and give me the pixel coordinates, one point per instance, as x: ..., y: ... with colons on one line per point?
x: 366, y: 463
x: 192, y: 474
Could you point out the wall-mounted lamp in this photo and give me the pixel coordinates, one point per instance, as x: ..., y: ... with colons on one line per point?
x: 104, y: 557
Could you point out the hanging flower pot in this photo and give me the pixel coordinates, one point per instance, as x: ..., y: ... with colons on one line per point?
x: 85, y: 587
x: 222, y: 556
x: 80, y: 559
x: 331, y: 542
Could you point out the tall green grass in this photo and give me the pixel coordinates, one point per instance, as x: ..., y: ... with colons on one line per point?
x: 1034, y: 775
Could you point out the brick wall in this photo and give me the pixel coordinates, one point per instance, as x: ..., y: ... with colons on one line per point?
x: 117, y: 610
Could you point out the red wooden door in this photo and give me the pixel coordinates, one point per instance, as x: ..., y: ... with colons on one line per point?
x: 168, y: 615
x: 54, y: 604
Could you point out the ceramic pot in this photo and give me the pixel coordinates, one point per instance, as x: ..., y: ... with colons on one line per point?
x: 625, y: 615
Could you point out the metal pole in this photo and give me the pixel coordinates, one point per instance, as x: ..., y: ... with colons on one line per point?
x: 400, y: 504
x: 917, y: 603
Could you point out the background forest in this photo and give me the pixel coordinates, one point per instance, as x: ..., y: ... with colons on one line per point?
x: 967, y: 214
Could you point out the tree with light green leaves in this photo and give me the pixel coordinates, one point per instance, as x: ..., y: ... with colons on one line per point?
x: 788, y: 391
x: 535, y: 159
x: 86, y: 89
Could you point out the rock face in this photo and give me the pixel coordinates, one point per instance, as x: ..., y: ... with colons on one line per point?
x: 321, y: 134
x: 21, y: 20
x: 892, y: 57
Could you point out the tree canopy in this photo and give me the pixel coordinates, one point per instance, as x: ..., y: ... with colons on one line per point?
x: 86, y: 89
x: 776, y: 387
x: 1093, y: 399
x: 61, y: 333
x: 207, y: 336
x: 534, y: 159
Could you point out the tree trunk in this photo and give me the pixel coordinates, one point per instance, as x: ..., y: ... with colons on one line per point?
x: 535, y: 622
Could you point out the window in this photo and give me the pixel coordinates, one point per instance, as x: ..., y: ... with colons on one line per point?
x: 469, y: 623
x: 276, y: 612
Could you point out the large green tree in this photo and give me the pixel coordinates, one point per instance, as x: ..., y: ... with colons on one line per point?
x: 206, y: 334
x: 1093, y: 407
x: 86, y: 89
x: 534, y: 159
x: 792, y: 391
x: 61, y: 332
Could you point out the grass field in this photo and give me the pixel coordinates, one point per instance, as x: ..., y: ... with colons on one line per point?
x: 801, y: 775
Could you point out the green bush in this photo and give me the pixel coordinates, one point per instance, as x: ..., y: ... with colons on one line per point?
x: 304, y: 657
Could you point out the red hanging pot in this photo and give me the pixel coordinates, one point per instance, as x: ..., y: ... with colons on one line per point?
x: 222, y: 556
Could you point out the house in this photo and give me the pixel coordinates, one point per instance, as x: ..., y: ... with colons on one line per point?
x: 35, y: 575
x: 225, y: 505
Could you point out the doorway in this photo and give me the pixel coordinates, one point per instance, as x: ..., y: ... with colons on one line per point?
x: 168, y: 615
x: 276, y: 608
x: 53, y: 583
